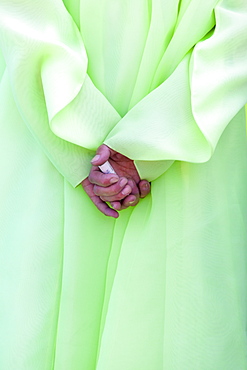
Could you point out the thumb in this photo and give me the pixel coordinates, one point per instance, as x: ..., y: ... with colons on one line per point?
x: 144, y: 187
x: 102, y: 155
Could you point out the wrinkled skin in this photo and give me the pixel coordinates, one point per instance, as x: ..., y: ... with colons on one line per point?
x: 121, y: 190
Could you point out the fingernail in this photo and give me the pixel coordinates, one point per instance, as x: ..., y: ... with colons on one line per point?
x: 145, y: 186
x: 123, y: 182
x: 132, y: 200
x: 126, y: 190
x: 113, y: 180
x: 96, y: 158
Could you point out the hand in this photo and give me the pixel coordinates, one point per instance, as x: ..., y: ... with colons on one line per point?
x: 121, y: 190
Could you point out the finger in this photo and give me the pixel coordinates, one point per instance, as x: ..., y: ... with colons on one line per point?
x: 126, y: 191
x: 133, y: 198
x: 144, y: 187
x: 112, y: 190
x: 116, y: 205
x: 97, y: 177
x: 128, y: 200
x: 102, y: 155
x: 135, y: 191
x: 102, y: 206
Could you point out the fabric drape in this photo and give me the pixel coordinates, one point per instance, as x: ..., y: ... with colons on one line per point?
x: 164, y: 286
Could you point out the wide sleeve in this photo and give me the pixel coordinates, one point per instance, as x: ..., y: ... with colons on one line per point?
x: 184, y: 117
x: 47, y: 63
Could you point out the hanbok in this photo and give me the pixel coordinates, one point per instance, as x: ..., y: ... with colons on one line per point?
x: 163, y: 287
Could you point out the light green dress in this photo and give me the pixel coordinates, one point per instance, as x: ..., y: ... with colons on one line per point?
x: 164, y: 287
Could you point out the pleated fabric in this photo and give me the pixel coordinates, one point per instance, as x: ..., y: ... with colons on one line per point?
x: 164, y: 286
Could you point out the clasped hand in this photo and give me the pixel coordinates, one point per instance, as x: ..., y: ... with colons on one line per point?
x: 120, y: 190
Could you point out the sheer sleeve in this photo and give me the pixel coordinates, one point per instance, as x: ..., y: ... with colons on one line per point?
x: 184, y: 117
x: 47, y: 63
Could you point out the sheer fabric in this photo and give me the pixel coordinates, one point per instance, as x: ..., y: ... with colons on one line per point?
x: 164, y: 286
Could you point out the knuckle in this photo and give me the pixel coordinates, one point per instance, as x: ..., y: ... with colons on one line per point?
x: 114, y: 190
x: 91, y: 177
x: 96, y: 190
x: 132, y: 204
x: 104, y: 180
x: 120, y: 196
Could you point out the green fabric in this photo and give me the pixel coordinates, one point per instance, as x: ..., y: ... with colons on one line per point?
x: 164, y: 286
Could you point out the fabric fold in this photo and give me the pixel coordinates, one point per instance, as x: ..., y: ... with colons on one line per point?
x: 47, y: 64
x: 182, y: 119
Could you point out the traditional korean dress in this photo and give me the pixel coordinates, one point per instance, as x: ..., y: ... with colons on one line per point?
x: 164, y: 287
